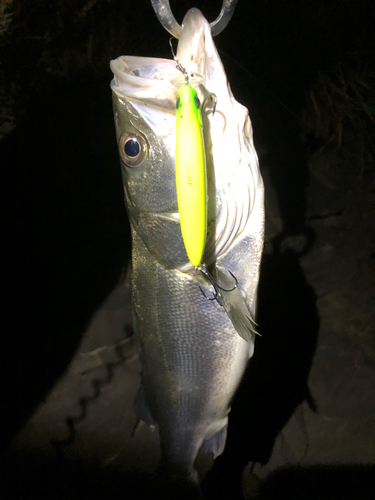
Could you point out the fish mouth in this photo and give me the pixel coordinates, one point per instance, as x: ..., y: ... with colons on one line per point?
x: 156, y: 80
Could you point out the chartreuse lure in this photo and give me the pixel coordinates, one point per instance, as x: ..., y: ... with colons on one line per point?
x: 191, y: 173
x: 191, y: 180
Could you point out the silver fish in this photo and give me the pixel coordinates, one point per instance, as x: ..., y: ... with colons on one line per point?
x: 191, y: 353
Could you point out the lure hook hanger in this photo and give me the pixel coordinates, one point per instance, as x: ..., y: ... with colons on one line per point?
x: 186, y: 76
x: 164, y: 13
x: 178, y: 64
x: 218, y: 289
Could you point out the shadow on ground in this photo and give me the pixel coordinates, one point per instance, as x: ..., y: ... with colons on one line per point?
x: 276, y: 381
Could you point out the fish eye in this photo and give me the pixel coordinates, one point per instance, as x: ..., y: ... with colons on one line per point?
x: 197, y: 101
x: 133, y: 149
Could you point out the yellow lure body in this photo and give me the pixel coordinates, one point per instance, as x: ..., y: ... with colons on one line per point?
x: 191, y: 174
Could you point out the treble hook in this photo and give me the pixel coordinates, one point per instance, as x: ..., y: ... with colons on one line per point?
x: 213, y: 96
x: 218, y: 289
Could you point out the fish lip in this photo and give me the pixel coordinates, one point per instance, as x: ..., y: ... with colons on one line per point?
x: 146, y: 80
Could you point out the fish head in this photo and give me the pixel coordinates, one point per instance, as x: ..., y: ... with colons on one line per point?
x: 144, y: 104
x: 144, y: 101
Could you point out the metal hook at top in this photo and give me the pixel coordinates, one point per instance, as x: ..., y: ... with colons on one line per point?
x: 164, y: 14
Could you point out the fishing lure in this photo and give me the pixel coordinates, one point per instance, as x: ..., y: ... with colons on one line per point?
x: 191, y: 173
x: 191, y: 178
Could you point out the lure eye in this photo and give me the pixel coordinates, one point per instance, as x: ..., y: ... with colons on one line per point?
x: 133, y: 149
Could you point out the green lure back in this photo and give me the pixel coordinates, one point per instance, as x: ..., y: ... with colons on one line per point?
x: 191, y: 174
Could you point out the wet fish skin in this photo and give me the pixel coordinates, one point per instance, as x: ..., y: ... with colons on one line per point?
x: 192, y: 357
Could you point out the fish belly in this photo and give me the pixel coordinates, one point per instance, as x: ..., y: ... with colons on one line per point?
x: 192, y: 359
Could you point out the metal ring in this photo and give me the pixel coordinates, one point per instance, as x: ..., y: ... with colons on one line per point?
x: 164, y: 14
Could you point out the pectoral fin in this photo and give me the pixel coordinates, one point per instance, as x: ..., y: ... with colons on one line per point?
x: 237, y: 308
x: 216, y: 443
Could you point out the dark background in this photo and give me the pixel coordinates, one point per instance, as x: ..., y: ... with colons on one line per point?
x: 305, y: 71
